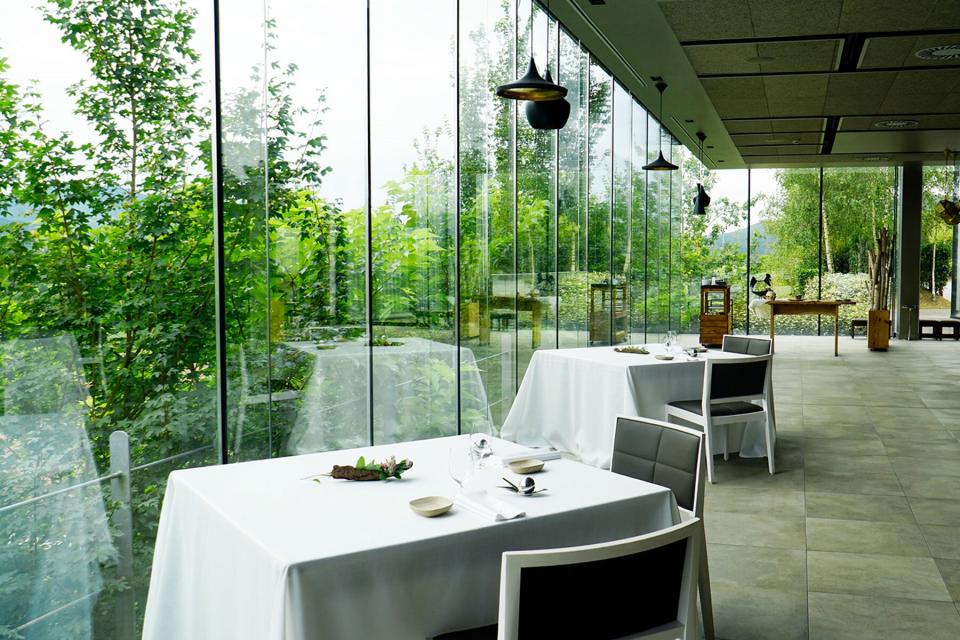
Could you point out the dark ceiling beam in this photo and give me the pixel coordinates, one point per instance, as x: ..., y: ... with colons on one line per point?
x: 822, y: 36
x: 828, y: 72
x: 849, y: 61
x: 889, y: 116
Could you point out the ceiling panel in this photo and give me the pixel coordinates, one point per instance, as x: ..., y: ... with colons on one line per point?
x: 799, y: 124
x: 708, y: 19
x: 788, y: 88
x: 933, y: 81
x: 899, y: 51
x: 793, y: 107
x: 792, y: 18
x: 885, y: 15
x: 780, y: 87
x: 924, y: 122
x: 775, y: 138
x: 749, y: 126
x: 900, y: 103
x: 808, y: 55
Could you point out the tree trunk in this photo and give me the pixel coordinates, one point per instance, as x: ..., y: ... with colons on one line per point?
x: 933, y: 271
x: 826, y: 241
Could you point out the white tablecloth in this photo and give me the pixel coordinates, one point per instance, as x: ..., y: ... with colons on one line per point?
x: 254, y: 551
x: 414, y: 394
x: 570, y: 399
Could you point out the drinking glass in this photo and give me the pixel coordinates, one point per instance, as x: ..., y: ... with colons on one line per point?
x: 460, y: 466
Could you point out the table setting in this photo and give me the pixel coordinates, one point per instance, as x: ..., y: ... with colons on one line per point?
x: 306, y: 546
x: 569, y: 399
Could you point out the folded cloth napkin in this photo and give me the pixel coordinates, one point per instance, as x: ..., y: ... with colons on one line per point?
x: 486, y: 506
x: 535, y: 454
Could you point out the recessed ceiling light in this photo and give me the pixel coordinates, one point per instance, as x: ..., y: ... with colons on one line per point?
x: 709, y: 146
x: 873, y: 158
x: 721, y: 160
x: 942, y: 52
x: 688, y: 121
x: 895, y: 124
x: 759, y: 59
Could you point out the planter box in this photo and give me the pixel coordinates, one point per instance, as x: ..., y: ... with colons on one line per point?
x: 878, y: 329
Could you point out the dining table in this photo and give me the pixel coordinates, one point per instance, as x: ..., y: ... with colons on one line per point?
x: 274, y: 549
x: 569, y: 399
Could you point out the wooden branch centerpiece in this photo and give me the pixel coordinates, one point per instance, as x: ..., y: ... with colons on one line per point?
x: 878, y: 317
x: 372, y: 470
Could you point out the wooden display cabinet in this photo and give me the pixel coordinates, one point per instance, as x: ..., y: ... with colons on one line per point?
x: 608, y: 304
x: 714, y: 314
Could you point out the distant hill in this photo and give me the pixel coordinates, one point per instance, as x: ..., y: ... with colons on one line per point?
x: 739, y: 238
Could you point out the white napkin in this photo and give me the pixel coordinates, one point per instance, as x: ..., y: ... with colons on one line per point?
x: 534, y: 454
x: 481, y: 503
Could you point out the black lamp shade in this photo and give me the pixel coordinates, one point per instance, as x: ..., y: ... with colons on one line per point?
x: 660, y: 164
x: 548, y: 114
x: 531, y: 87
x: 701, y: 202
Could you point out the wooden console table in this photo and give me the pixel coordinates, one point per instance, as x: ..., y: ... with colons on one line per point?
x: 808, y: 307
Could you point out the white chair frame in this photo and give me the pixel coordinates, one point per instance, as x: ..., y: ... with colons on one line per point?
x: 707, y: 421
x: 686, y: 626
x: 703, y: 580
x: 772, y: 408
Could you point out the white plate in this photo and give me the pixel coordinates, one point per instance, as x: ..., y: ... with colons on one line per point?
x: 431, y: 506
x: 663, y: 356
x: 527, y: 465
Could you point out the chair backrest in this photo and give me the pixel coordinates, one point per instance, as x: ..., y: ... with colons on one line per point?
x: 736, y: 378
x: 636, y: 587
x: 746, y: 345
x: 665, y: 454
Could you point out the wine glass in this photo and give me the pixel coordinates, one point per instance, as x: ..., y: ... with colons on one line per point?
x: 460, y: 466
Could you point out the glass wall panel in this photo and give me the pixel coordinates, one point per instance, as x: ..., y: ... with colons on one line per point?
x: 536, y: 210
x: 245, y: 201
x: 637, y: 275
x: 573, y: 275
x: 599, y: 202
x: 785, y: 224
x: 487, y: 143
x: 107, y: 346
x: 937, y: 269
x: 413, y: 219
x: 857, y: 202
x: 715, y: 245
x: 319, y: 360
x: 622, y: 237
x: 658, y: 237
x: 685, y: 290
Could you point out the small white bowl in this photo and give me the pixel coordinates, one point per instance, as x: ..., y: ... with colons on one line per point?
x: 525, y: 466
x: 663, y: 356
x: 431, y: 506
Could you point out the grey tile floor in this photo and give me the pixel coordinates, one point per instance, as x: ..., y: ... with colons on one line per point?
x: 858, y: 533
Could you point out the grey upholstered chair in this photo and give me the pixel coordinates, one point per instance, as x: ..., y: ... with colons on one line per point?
x: 671, y: 456
x: 579, y: 592
x: 754, y: 346
x: 734, y: 390
x: 747, y: 345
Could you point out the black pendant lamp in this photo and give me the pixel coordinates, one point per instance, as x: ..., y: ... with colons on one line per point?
x: 661, y: 163
x: 548, y: 114
x: 531, y: 87
x: 702, y: 201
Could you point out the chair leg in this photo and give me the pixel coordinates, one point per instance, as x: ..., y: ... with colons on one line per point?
x: 706, y: 599
x: 726, y: 441
x: 768, y: 432
x: 709, y: 456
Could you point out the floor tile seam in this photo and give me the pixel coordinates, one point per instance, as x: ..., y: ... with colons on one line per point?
x: 875, y: 596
